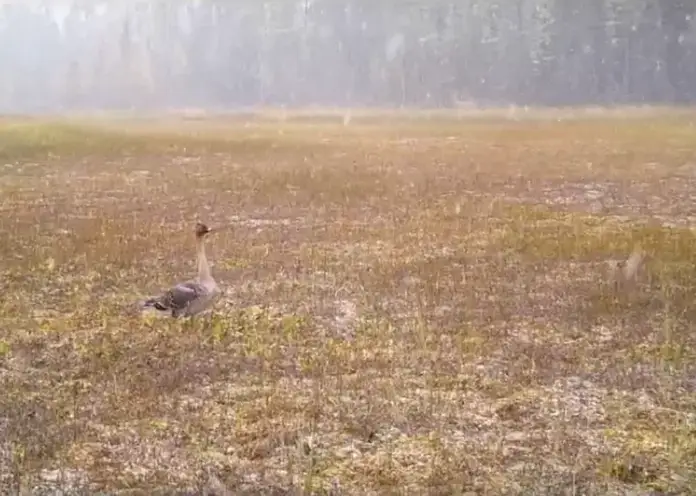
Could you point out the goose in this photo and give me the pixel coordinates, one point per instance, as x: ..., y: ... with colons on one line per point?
x: 191, y: 297
x: 625, y: 272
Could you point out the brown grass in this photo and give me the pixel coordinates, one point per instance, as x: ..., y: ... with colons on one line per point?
x: 413, y: 306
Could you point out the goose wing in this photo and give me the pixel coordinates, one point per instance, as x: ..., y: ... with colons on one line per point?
x: 178, y: 298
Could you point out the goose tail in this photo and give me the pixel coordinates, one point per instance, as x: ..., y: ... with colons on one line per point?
x: 154, y: 303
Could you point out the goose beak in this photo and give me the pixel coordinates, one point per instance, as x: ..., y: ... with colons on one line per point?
x: 220, y: 228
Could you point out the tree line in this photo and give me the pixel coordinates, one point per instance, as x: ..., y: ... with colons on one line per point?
x: 171, y: 53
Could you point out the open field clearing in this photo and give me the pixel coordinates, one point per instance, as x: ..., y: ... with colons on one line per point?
x: 411, y: 306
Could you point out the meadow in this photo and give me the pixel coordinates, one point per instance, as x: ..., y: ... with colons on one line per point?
x: 413, y: 304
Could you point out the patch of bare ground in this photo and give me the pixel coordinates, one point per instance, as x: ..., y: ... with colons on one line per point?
x: 411, y: 306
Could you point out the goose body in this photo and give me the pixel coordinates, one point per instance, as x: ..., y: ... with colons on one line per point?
x: 189, y: 298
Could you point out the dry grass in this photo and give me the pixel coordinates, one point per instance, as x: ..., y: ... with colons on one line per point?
x: 412, y: 306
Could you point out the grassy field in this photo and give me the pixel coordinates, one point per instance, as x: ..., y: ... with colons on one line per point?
x: 413, y: 305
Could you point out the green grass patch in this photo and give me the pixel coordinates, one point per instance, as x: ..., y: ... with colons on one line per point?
x: 24, y: 141
x: 544, y: 233
x: 45, y: 140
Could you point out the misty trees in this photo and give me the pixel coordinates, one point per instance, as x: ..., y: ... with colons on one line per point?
x: 679, y: 52
x: 384, y: 52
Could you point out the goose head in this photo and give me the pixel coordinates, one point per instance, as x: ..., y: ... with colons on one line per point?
x: 202, y: 230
